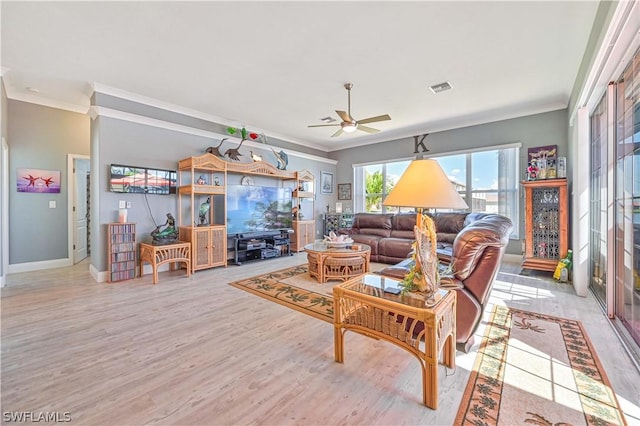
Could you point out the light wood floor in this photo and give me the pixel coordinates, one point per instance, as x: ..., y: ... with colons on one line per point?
x: 198, y: 351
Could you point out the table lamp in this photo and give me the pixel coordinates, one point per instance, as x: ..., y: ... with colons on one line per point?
x: 424, y: 185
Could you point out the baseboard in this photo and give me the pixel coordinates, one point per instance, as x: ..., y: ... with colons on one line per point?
x: 103, y: 276
x: 512, y: 258
x: 100, y: 277
x: 38, y: 266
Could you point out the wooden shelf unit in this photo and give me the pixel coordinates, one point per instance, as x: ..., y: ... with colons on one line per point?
x: 200, y: 179
x: 546, y: 223
x: 303, y: 197
x: 121, y: 251
x: 205, y: 176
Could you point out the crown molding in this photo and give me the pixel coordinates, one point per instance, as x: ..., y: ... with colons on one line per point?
x: 44, y: 101
x: 96, y: 111
x: 152, y: 102
x: 455, y: 124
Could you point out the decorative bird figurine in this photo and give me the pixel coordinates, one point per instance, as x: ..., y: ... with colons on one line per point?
x: 255, y: 157
x: 282, y: 158
x: 204, y: 211
x: 215, y: 150
x: 234, y: 153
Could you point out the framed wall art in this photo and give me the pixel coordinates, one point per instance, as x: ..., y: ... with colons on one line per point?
x: 38, y: 181
x: 326, y: 182
x: 344, y: 191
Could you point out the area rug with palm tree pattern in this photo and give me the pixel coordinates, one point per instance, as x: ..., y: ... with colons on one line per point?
x: 293, y: 288
x: 540, y: 370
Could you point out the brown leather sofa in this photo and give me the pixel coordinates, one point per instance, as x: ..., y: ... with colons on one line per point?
x: 389, y: 235
x: 473, y: 242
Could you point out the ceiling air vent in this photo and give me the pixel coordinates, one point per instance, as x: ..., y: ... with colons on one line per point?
x: 437, y: 88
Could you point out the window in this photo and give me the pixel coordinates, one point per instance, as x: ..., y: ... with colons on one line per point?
x: 378, y: 180
x: 488, y: 178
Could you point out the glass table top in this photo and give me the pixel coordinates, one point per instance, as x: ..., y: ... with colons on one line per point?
x: 375, y: 285
x: 321, y: 246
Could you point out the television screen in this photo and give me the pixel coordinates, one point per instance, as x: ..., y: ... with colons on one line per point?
x: 141, y: 179
x: 257, y: 208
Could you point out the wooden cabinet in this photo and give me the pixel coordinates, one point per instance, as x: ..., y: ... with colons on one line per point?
x: 121, y: 251
x: 202, y: 209
x: 208, y: 245
x: 303, y: 233
x: 546, y: 223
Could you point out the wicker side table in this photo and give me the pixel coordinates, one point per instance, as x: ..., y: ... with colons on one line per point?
x: 168, y: 253
x: 330, y: 263
x: 361, y: 305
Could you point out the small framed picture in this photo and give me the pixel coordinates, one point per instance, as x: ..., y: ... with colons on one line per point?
x: 344, y: 191
x: 326, y: 182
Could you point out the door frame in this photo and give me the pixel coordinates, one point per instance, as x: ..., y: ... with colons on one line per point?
x: 4, y: 214
x: 71, y: 190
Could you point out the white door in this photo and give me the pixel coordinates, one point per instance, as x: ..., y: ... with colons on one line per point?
x: 80, y: 211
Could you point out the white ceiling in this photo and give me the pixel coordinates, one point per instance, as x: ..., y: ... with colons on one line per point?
x: 280, y: 66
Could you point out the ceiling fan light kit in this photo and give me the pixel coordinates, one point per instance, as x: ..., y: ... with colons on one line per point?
x: 349, y: 124
x: 349, y: 127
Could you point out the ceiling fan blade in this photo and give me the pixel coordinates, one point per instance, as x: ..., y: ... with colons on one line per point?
x: 344, y: 116
x: 374, y: 119
x: 367, y: 129
x: 323, y: 125
x: 338, y: 133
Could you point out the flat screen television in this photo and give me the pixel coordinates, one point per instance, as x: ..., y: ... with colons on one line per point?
x: 141, y: 180
x: 253, y: 209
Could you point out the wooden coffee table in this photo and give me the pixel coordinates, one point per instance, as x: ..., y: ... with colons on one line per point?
x: 362, y: 305
x: 330, y: 263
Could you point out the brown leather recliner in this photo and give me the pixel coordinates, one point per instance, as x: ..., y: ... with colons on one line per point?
x: 478, y: 244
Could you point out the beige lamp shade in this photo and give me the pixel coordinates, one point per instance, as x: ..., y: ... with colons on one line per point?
x: 425, y: 185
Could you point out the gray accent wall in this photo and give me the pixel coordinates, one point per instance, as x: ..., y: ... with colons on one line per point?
x: 118, y: 141
x: 548, y: 128
x: 41, y: 137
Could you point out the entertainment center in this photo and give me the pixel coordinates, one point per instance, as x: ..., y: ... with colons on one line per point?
x: 224, y: 221
x: 247, y: 247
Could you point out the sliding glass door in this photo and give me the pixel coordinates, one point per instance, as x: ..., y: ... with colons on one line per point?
x: 615, y: 200
x: 627, y: 199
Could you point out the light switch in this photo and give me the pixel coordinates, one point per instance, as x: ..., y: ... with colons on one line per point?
x: 128, y: 204
x: 122, y: 204
x: 52, y: 204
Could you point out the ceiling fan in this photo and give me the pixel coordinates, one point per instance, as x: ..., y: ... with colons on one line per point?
x: 349, y: 124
